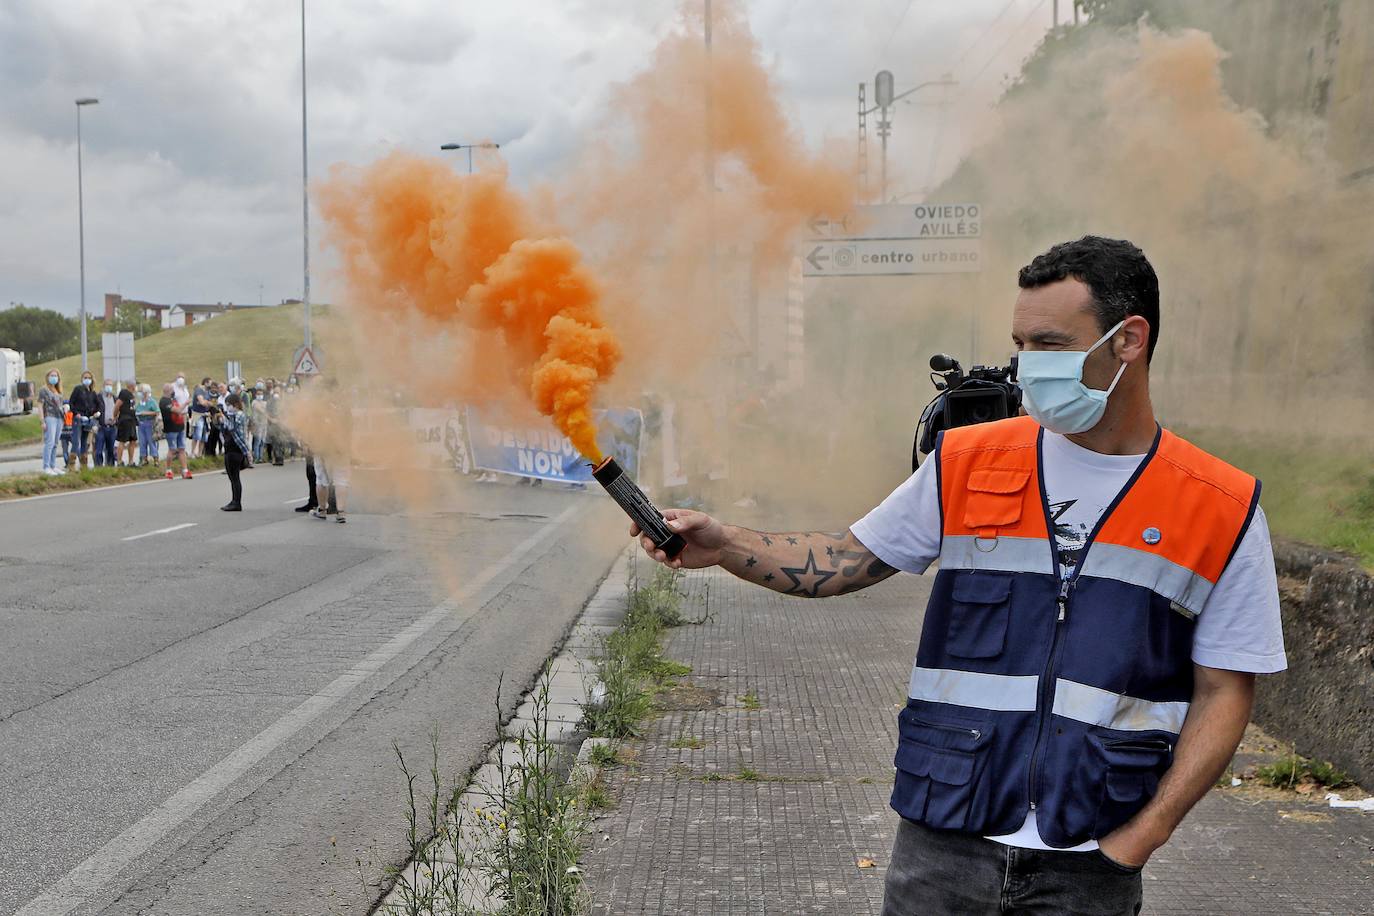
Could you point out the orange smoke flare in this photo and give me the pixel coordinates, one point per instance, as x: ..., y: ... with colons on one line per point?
x: 543, y: 300
x: 421, y: 242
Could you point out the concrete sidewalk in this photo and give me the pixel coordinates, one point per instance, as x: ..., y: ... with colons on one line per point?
x: 763, y: 785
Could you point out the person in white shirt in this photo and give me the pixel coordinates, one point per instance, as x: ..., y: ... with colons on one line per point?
x: 1086, y: 322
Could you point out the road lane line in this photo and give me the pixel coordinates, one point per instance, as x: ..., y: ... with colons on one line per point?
x: 103, y: 866
x: 298, y: 499
x: 148, y: 534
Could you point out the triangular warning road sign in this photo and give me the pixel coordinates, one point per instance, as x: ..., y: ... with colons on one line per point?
x: 305, y: 363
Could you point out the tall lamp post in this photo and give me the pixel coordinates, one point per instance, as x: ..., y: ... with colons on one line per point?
x: 470, y: 147
x: 81, y: 223
x: 305, y: 197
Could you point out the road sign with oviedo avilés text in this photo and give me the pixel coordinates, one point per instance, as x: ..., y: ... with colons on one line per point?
x: 895, y: 240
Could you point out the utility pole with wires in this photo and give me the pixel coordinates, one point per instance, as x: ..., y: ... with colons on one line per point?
x: 884, y: 99
x: 863, y: 146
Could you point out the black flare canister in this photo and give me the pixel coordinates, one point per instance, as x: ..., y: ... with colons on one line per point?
x: 637, y: 506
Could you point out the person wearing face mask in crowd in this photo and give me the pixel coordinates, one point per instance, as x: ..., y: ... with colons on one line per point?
x: 126, y: 423
x: 275, y: 431
x: 106, y: 426
x: 236, y: 387
x: 145, y: 408
x: 68, y: 455
x: 233, y: 428
x: 257, y: 419
x: 50, y: 399
x: 215, y: 396
x: 85, y: 401
x: 1106, y: 596
x: 200, y: 411
x: 180, y: 393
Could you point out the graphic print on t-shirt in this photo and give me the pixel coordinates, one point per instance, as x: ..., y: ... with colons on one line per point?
x: 1074, y: 520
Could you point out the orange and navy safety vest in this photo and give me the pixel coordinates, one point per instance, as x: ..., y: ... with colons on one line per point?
x: 1059, y: 695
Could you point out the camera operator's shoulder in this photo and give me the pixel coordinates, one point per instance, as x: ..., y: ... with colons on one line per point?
x: 1206, y: 468
x: 1013, y: 432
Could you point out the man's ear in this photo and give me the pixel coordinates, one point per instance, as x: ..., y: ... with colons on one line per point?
x: 1135, y: 339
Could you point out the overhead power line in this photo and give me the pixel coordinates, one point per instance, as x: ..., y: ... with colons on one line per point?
x: 998, y: 53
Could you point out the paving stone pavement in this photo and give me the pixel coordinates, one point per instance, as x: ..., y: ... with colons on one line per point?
x: 760, y: 792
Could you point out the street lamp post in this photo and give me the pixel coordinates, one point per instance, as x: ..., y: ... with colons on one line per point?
x: 81, y: 223
x: 305, y: 196
x: 470, y: 147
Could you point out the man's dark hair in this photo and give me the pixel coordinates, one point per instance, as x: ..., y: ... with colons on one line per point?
x: 205, y: 381
x: 1117, y: 273
x: 234, y: 401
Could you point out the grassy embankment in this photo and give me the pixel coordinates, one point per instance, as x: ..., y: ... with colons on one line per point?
x: 20, y: 430
x: 1321, y: 493
x: 263, y: 340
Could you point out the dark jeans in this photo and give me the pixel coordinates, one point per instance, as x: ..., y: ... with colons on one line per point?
x: 310, y: 479
x: 82, y: 429
x: 937, y: 872
x: 233, y: 463
x: 104, y: 446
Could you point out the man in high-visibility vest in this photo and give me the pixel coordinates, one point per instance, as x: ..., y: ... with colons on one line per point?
x: 1106, y: 595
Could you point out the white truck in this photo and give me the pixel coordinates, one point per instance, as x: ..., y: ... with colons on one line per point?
x: 16, y: 393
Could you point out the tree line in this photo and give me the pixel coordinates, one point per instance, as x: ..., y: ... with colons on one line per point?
x: 44, y: 335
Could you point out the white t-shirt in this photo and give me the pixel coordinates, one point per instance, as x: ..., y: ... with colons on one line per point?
x: 1239, y: 628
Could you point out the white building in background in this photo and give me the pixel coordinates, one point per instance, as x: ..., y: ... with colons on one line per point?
x: 183, y: 313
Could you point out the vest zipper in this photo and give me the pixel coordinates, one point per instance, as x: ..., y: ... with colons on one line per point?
x: 1046, y: 686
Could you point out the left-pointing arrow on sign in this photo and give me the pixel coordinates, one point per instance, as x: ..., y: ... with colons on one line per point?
x: 816, y: 256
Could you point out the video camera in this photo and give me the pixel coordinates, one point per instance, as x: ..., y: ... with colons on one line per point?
x: 981, y: 395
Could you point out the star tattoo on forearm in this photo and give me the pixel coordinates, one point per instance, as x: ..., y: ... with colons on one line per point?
x: 807, y: 580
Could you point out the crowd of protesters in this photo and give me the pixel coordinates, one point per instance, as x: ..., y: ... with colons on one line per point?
x: 101, y: 427
x: 125, y: 424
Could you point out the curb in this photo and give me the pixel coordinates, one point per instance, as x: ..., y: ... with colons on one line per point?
x: 571, y: 679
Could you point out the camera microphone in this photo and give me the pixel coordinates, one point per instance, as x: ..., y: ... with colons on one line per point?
x: 942, y: 362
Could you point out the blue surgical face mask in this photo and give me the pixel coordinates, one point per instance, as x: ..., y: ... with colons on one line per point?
x: 52, y: 380
x: 109, y: 389
x: 1053, y: 391
x: 88, y: 382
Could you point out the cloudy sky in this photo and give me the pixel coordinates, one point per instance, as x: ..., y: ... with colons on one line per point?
x: 192, y: 159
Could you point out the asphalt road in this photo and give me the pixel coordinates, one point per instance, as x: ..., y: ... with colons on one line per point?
x: 200, y: 720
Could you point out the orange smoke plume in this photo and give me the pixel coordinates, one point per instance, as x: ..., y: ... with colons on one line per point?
x: 461, y: 253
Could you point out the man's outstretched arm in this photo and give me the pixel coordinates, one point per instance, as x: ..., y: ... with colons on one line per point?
x: 810, y: 564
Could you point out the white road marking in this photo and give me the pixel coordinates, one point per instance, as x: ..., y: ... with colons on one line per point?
x: 298, y: 499
x: 148, y: 534
x: 86, y: 880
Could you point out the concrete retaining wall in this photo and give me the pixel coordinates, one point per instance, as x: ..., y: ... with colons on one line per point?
x: 1324, y: 702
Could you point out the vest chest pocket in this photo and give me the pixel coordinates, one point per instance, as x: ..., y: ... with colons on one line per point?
x: 994, y: 499
x: 1131, y: 768
x: 980, y: 603
x: 937, y: 764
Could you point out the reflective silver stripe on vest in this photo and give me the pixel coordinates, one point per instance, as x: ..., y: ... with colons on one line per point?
x: 1158, y: 574
x: 971, y: 688
x: 1096, y: 706
x: 1031, y: 555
